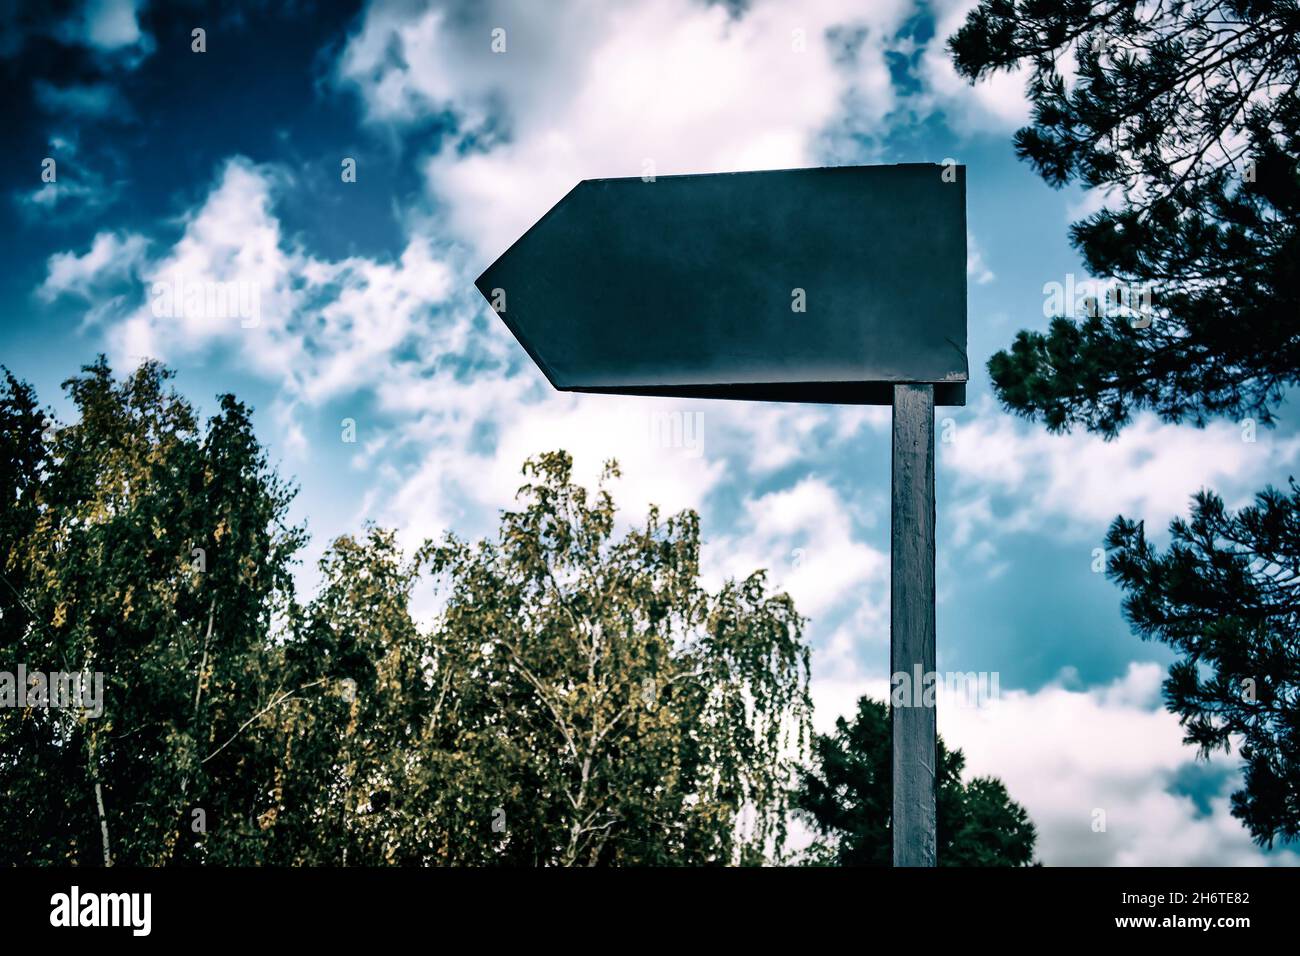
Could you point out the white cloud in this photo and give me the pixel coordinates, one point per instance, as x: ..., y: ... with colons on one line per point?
x: 589, y: 90
x: 1065, y: 754
x: 111, y: 257
x: 459, y: 485
x: 1015, y: 476
x: 996, y: 104
x: 112, y: 23
x: 111, y: 28
x: 804, y: 535
x: 976, y: 269
x: 232, y: 238
x: 1090, y: 201
x: 325, y: 328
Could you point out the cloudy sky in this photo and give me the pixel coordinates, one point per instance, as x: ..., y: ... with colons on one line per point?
x: 226, y: 166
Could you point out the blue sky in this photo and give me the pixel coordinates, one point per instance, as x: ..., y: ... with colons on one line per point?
x: 225, y: 166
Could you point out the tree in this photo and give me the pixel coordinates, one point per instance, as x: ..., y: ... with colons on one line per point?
x: 1186, y: 115
x: 359, y: 782
x: 152, y: 554
x: 579, y: 700
x: 846, y: 795
x: 1225, y: 595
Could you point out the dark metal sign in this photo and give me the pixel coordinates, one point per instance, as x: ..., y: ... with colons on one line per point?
x: 815, y: 285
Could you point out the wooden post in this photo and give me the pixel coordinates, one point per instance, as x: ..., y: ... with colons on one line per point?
x: 911, y: 629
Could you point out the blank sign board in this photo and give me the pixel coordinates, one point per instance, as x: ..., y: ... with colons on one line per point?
x: 815, y: 285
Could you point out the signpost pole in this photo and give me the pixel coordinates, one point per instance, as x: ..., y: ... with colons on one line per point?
x: 911, y: 637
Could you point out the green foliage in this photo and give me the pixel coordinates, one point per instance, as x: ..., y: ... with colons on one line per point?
x: 1224, y: 595
x: 595, y: 702
x: 356, y: 780
x: 101, y: 575
x: 1187, y: 114
x: 846, y: 796
x: 577, y: 698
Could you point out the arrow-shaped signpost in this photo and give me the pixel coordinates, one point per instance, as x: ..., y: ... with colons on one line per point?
x: 840, y: 285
